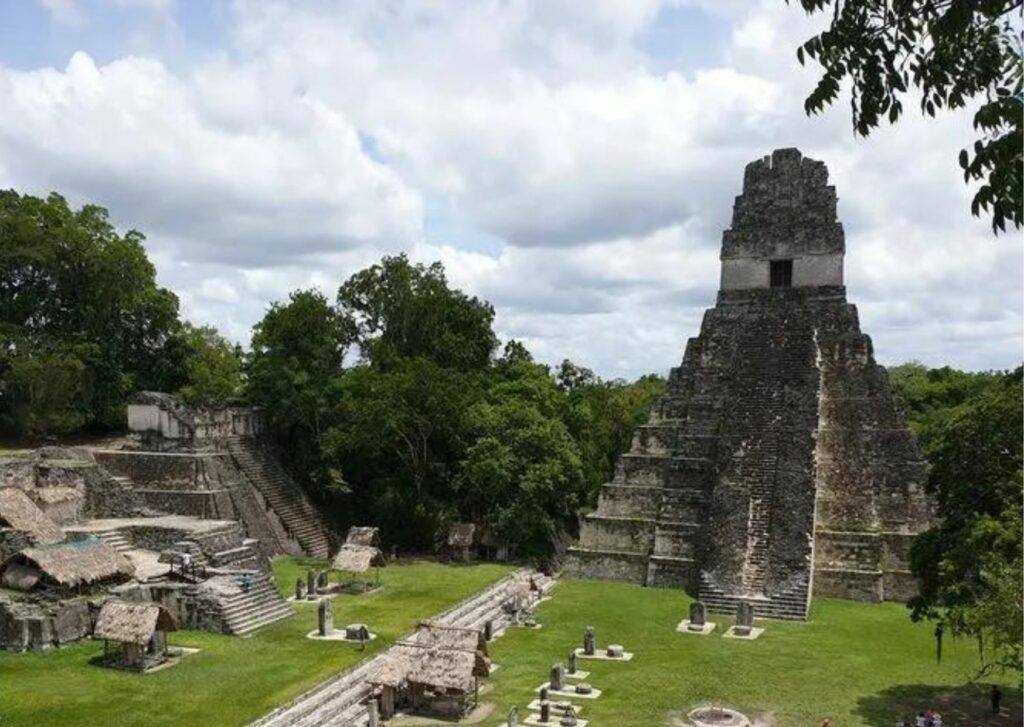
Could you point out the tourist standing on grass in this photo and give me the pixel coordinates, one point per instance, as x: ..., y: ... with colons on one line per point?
x: 921, y: 720
x: 186, y: 563
x: 996, y: 696
x: 936, y: 719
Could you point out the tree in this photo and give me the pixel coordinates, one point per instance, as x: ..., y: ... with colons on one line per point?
x: 954, y: 52
x: 213, y: 366
x: 71, y: 287
x: 969, y: 565
x: 397, y: 436
x: 297, y: 354
x: 522, y: 474
x: 399, y: 310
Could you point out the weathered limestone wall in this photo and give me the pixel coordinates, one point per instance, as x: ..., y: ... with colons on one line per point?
x: 776, y: 460
x: 166, y: 418
x: 38, y: 625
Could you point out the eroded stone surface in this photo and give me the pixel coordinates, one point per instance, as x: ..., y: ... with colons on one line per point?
x: 777, y: 438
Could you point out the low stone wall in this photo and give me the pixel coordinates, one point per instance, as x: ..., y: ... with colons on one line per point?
x: 630, y: 567
x: 629, y: 501
x: 31, y: 625
x: 169, y: 471
x: 209, y: 504
x: 632, y: 535
x: 846, y: 583
x: 864, y: 566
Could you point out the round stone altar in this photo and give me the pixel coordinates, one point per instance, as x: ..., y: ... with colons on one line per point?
x: 717, y: 717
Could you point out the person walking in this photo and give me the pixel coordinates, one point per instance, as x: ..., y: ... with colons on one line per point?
x: 996, y: 696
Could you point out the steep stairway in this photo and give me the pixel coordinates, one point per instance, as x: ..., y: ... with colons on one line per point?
x: 245, y: 611
x: 284, y: 495
x: 789, y: 604
x: 115, y: 539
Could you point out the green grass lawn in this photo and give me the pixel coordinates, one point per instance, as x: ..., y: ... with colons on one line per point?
x: 856, y: 663
x: 231, y: 680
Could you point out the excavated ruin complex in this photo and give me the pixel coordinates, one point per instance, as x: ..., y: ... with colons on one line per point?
x: 777, y: 462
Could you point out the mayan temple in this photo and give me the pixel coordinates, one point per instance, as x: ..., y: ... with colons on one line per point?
x: 777, y: 463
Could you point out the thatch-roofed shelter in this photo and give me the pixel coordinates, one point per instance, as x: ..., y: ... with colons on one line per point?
x: 435, y: 671
x: 434, y: 635
x: 17, y: 511
x: 71, y: 565
x: 363, y: 535
x: 428, y: 679
x: 140, y: 628
x: 357, y: 558
x: 460, y: 542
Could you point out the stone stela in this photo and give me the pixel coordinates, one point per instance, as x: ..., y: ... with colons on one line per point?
x: 777, y: 463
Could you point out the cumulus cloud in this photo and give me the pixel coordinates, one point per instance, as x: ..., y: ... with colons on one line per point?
x: 305, y: 149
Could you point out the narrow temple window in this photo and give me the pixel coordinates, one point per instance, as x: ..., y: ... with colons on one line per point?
x: 782, y: 273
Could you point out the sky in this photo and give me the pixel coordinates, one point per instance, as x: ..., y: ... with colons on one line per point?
x: 574, y: 163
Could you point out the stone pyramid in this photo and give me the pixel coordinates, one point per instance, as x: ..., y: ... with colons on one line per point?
x: 776, y: 464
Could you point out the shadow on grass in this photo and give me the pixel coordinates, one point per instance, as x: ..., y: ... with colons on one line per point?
x: 967, y: 704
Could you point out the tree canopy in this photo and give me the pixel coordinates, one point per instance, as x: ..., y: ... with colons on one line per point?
x: 954, y: 53
x: 82, y: 320
x: 396, y: 309
x: 83, y: 323
x: 428, y: 427
x: 969, y: 565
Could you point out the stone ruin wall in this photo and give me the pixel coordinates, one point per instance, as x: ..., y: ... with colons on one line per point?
x: 776, y: 457
x: 201, y: 484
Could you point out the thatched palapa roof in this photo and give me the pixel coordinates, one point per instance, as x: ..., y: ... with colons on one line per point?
x: 435, y: 668
x: 363, y: 535
x: 74, y: 564
x: 461, y: 535
x: 132, y: 623
x: 357, y: 558
x: 443, y: 668
x: 434, y: 635
x: 19, y: 512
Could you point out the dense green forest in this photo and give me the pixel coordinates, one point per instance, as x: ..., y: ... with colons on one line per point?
x: 398, y: 408
x: 395, y: 403
x: 969, y: 565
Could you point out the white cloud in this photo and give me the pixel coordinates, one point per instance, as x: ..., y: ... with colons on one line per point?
x: 303, y: 152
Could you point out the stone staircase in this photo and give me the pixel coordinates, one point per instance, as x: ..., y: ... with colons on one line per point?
x: 284, y: 495
x: 790, y: 604
x: 340, y: 701
x: 245, y: 611
x: 115, y: 539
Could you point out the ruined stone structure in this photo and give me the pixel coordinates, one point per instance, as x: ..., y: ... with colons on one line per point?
x: 776, y: 463
x: 209, y: 462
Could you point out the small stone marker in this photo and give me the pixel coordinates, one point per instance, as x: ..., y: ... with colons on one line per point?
x: 557, y: 678
x: 584, y: 688
x: 356, y: 632
x: 543, y: 694
x: 488, y: 630
x: 744, y: 619
x: 321, y: 580
x: 698, y: 616
x: 569, y: 720
x: 300, y: 589
x: 615, y: 651
x: 572, y: 662
x: 325, y: 618
x: 311, y: 584
x: 589, y: 641
x: 545, y: 711
x: 371, y: 712
x: 513, y: 717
